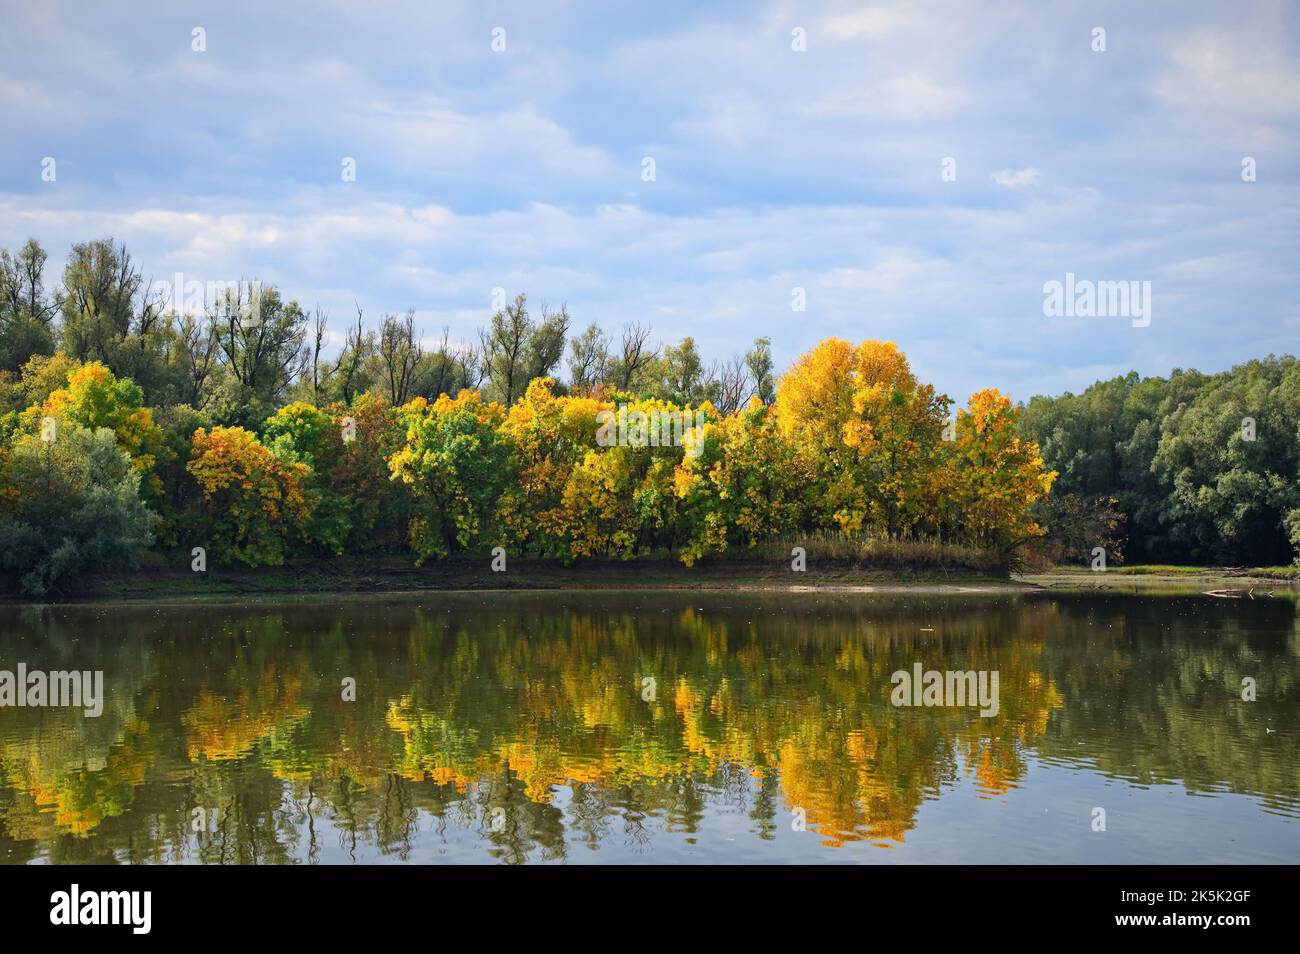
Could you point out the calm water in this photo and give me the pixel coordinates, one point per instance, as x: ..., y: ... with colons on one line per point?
x: 516, y: 728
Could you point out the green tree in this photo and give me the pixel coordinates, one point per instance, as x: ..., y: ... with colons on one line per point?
x: 306, y: 435
x: 26, y: 311
x: 68, y: 506
x: 260, y: 337
x: 588, y: 359
x: 1203, y: 468
x: 684, y: 380
x: 516, y: 350
x: 111, y: 317
x: 456, y: 462
x: 448, y: 369
x: 759, y: 361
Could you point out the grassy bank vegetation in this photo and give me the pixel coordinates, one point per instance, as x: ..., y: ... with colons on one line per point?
x: 832, y: 561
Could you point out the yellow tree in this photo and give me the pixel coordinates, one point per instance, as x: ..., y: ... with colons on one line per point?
x: 746, y: 485
x: 456, y: 461
x: 998, y: 475
x: 871, y: 432
x: 92, y: 398
x: 255, y: 505
x: 549, y: 436
x: 621, y: 498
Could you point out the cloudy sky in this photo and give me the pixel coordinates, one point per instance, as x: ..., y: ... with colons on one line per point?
x: 775, y: 168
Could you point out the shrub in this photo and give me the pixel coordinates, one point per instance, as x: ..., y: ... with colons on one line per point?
x: 70, y: 506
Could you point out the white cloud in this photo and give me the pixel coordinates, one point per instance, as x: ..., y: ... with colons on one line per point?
x: 1017, y: 178
x: 1244, y: 73
x: 909, y: 97
x: 870, y: 23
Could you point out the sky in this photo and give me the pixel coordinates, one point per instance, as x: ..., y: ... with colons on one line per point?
x: 794, y: 146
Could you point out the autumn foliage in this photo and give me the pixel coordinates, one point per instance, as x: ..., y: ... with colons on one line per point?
x: 93, y: 398
x: 254, y: 504
x: 883, y: 457
x: 455, y: 464
x: 853, y: 445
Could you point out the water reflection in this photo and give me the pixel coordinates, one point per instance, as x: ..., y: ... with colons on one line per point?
x: 517, y: 728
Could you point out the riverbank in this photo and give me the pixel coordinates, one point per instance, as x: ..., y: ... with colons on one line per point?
x: 1225, y: 582
x: 397, y: 574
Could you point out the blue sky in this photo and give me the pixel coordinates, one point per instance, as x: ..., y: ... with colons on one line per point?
x: 775, y: 168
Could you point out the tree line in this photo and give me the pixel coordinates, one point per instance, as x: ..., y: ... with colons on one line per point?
x: 127, y: 426
x: 103, y: 308
x: 1190, y: 469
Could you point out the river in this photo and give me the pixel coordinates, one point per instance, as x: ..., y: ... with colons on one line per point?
x: 657, y: 726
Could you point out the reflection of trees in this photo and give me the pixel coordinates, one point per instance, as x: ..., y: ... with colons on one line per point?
x: 57, y: 791
x: 523, y: 722
x: 1172, y: 707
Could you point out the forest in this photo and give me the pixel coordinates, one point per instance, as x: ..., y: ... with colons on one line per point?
x: 1199, y: 469
x: 127, y: 426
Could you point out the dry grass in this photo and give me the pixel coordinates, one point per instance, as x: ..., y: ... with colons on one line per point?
x: 871, y: 552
